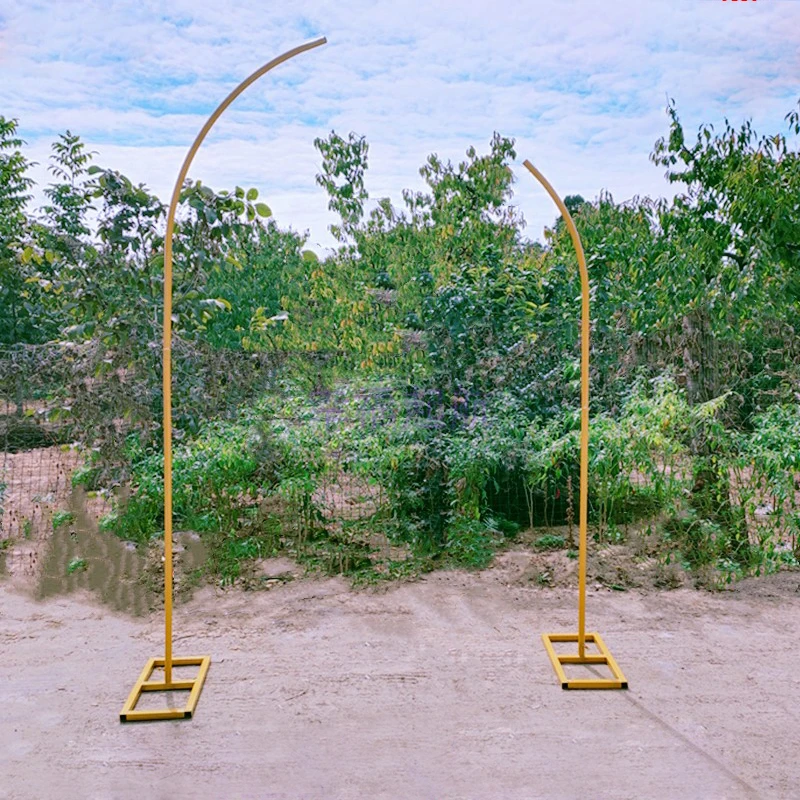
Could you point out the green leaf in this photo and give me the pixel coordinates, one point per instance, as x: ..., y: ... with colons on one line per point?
x: 310, y: 256
x: 252, y: 194
x: 263, y: 210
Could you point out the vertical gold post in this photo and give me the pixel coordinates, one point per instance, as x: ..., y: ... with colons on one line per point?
x: 584, y: 490
x: 128, y: 710
x: 167, y: 432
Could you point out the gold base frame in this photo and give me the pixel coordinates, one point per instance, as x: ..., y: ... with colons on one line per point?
x: 129, y: 712
x: 603, y: 657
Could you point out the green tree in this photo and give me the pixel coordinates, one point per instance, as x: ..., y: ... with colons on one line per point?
x: 69, y: 199
x: 258, y: 286
x: 344, y: 162
x: 20, y: 321
x: 733, y: 237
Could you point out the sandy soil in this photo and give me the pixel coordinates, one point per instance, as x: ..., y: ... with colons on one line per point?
x: 435, y: 689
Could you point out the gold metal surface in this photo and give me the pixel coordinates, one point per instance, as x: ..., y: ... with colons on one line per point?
x: 581, y: 637
x: 128, y: 712
x: 602, y: 658
x: 144, y: 684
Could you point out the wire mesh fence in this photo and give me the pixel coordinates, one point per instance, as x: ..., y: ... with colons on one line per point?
x: 79, y: 417
x: 274, y: 455
x: 67, y: 415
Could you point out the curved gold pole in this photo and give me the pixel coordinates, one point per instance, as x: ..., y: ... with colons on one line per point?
x: 583, y: 506
x: 604, y: 656
x: 144, y: 684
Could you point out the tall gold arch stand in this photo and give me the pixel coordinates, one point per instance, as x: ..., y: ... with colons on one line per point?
x: 129, y: 712
x: 600, y: 655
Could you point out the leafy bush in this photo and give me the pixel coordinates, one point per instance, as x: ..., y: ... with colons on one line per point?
x: 62, y: 518
x: 550, y: 541
x: 770, y: 453
x: 470, y: 543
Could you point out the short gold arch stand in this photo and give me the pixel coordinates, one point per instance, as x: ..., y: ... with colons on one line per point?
x: 129, y: 712
x: 601, y: 656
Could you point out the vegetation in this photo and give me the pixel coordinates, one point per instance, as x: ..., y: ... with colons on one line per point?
x: 76, y: 565
x: 62, y: 518
x: 412, y: 399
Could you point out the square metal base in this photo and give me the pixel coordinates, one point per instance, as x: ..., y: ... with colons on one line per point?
x: 144, y: 684
x: 603, y: 657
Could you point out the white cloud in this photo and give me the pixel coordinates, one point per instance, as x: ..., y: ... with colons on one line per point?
x: 580, y: 84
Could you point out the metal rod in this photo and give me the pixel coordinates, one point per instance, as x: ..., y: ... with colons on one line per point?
x: 167, y: 423
x: 584, y: 489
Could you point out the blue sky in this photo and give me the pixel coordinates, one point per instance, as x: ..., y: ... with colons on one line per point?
x: 580, y: 84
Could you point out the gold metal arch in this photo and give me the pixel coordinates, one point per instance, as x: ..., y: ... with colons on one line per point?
x: 602, y: 656
x: 195, y: 685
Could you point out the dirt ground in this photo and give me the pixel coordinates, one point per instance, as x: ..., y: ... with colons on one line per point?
x: 434, y: 689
